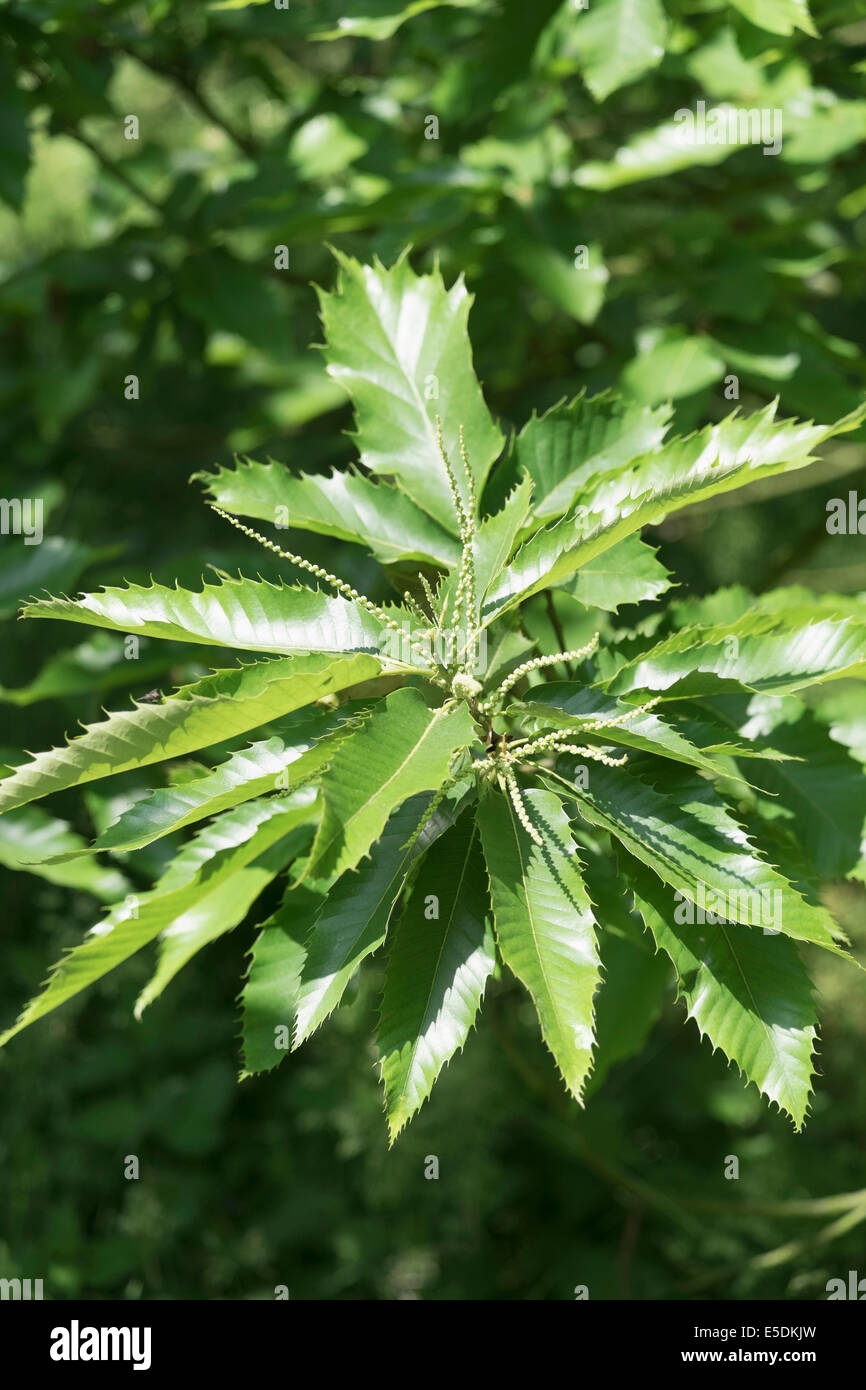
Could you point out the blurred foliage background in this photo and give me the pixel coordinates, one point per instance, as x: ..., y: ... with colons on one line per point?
x: 260, y: 127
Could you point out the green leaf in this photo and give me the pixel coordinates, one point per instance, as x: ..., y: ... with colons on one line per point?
x: 398, y: 344
x: 492, y: 544
x: 562, y: 449
x: 14, y: 135
x: 380, y: 18
x: 676, y: 366
x: 618, y: 41
x: 193, y: 885
x: 630, y: 1003
x: 353, y: 919
x: 689, y: 839
x: 823, y: 126
x: 33, y: 841
x: 579, y: 289
x: 274, y: 764
x: 95, y: 665
x: 636, y: 977
x: 370, y: 19
x: 55, y: 563
x: 402, y: 749
x: 652, y: 154
x: 627, y: 573
x: 247, y: 614
x: 717, y: 459
x: 348, y: 505
x: 324, y: 146
x: 507, y: 649
x: 824, y: 795
x: 713, y: 736
x: 440, y: 959
x: 212, y: 710
x: 566, y: 704
x: 747, y: 992
x: 270, y: 991
x: 497, y: 535
x: 779, y: 16
x: 218, y: 913
x: 842, y: 710
x: 698, y: 661
x: 544, y: 923
x: 790, y: 603
x: 229, y: 295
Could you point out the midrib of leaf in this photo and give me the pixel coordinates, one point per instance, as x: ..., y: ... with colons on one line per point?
x: 376, y: 796
x: 527, y: 896
x: 781, y: 771
x: 390, y: 363
x: 736, y: 959
x: 785, y: 1055
x: 426, y: 1020
x: 682, y: 811
x: 316, y: 995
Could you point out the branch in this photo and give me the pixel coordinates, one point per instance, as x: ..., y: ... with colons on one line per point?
x: 115, y: 169
x: 195, y: 95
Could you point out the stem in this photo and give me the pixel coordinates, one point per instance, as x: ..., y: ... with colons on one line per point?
x: 111, y: 167
x: 783, y: 1254
x: 557, y: 628
x: 685, y: 1212
x: 194, y: 93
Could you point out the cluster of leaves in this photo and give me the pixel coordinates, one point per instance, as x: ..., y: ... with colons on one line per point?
x: 422, y: 785
x: 157, y: 257
x: 552, y: 124
x: 262, y: 127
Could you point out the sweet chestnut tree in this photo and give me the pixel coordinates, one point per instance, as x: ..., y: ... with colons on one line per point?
x: 493, y: 772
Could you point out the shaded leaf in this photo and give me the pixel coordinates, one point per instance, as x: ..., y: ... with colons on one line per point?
x: 270, y: 990
x: 747, y: 992
x: 33, y: 841
x: 212, y: 710
x: 193, y: 884
x: 440, y: 959
x: 353, y: 918
x: 544, y: 923
x: 690, y: 840
x: 402, y: 749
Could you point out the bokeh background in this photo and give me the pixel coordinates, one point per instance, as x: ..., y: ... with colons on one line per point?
x: 259, y: 127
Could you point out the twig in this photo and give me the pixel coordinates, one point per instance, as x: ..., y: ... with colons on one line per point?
x: 557, y: 629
